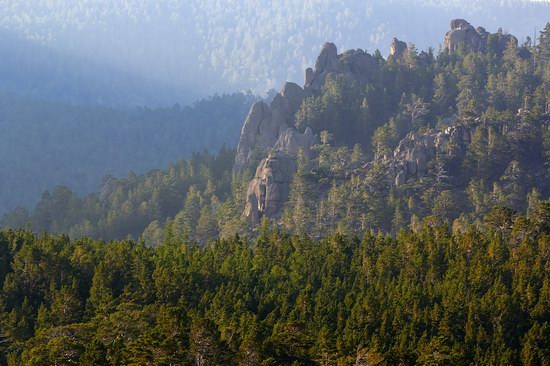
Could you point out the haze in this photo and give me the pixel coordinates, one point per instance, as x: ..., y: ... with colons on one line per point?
x: 139, y: 52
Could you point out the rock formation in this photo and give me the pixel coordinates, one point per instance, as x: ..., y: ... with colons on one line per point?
x: 463, y: 33
x: 265, y: 123
x: 291, y: 141
x: 269, y: 130
x: 268, y: 191
x: 475, y: 39
x: 410, y: 158
x: 357, y: 64
x: 398, y: 49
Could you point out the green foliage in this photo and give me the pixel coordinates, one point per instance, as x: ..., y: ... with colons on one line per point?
x: 187, y: 191
x: 201, y: 287
x: 431, y: 297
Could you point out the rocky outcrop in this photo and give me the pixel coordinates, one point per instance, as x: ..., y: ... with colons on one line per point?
x: 269, y: 130
x: 463, y: 33
x: 268, y: 191
x: 291, y: 141
x: 265, y: 123
x: 410, y: 159
x: 328, y: 58
x: 398, y: 49
x: 356, y: 64
x: 475, y: 39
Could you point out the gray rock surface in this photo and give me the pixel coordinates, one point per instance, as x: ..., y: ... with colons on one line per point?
x: 290, y: 141
x: 268, y: 191
x: 410, y: 158
x: 264, y: 124
x: 463, y: 33
x: 328, y: 58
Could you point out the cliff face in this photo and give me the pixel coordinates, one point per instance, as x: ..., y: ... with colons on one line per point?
x: 269, y: 130
x: 269, y: 189
x: 265, y: 123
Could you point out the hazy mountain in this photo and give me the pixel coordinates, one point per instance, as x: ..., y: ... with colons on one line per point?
x: 172, y: 48
x: 51, y: 143
x: 32, y: 69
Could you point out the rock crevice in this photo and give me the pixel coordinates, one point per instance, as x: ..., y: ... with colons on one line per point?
x: 269, y: 189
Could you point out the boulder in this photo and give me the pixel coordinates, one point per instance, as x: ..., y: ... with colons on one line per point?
x: 457, y: 24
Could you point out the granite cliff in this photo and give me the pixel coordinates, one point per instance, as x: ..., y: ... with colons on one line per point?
x: 269, y: 130
x: 269, y: 134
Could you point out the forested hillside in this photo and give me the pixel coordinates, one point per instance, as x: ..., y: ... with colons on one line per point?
x: 475, y: 296
x: 45, y: 144
x: 413, y: 138
x: 130, y: 51
x: 392, y: 211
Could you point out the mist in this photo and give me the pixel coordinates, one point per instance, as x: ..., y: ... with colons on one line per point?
x: 138, y: 52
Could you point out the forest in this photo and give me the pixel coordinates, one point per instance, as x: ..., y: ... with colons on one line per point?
x: 52, y: 143
x: 372, y: 260
x: 475, y: 296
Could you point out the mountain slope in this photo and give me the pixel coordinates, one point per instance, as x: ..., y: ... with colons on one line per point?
x: 367, y: 144
x: 45, y: 144
x: 214, y: 46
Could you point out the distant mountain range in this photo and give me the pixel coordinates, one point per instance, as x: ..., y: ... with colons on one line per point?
x: 132, y: 52
x: 28, y: 68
